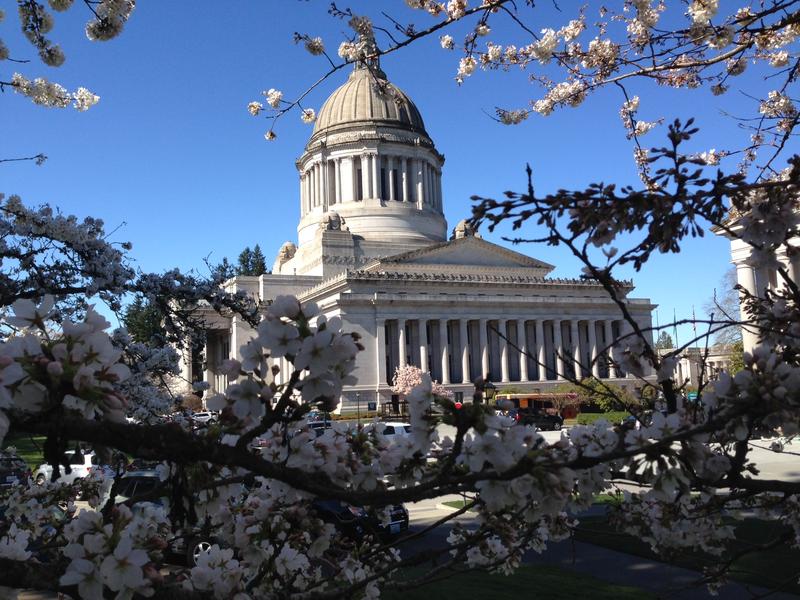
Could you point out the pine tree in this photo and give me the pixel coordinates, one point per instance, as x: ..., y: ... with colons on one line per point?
x: 258, y: 264
x: 143, y: 321
x: 245, y: 262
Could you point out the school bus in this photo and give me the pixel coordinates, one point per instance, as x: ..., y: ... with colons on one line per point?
x: 565, y: 404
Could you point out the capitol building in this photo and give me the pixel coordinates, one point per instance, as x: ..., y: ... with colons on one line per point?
x: 373, y: 247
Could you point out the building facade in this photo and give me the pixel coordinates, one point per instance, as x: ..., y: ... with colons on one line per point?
x: 756, y: 280
x: 373, y: 248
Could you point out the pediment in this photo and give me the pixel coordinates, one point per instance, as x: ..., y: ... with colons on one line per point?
x: 464, y: 254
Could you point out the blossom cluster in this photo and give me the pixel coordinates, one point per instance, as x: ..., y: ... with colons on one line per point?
x: 47, y: 93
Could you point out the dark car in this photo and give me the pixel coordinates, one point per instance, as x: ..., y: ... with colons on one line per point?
x: 541, y: 420
x: 13, y: 470
x: 186, y: 545
x: 354, y: 521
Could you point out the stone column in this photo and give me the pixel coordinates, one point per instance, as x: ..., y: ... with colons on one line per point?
x: 484, y: 345
x: 437, y: 192
x: 522, y: 344
x: 558, y: 348
x: 309, y: 194
x: 338, y: 172
x: 405, y: 175
x: 380, y: 349
x: 746, y: 277
x: 423, y: 345
x: 318, y: 184
x: 420, y: 181
x: 443, y: 348
x: 574, y: 333
x: 462, y: 335
x: 502, y: 330
x: 310, y: 187
x: 401, y: 341
x: 376, y: 182
x: 540, y: 354
x: 612, y: 370
x: 793, y: 263
x: 208, y: 354
x: 592, y: 329
x: 364, y: 176
x: 346, y: 166
x: 390, y: 176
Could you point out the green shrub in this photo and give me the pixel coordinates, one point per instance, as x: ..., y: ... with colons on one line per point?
x: 613, y: 417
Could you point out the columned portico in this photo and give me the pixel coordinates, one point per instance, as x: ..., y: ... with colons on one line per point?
x: 456, y: 350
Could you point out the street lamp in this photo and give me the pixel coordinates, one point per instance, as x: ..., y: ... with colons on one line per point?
x: 490, y: 390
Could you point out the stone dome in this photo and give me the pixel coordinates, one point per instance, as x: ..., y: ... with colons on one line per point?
x: 368, y: 97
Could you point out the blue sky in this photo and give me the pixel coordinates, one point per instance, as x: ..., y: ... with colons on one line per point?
x: 171, y: 156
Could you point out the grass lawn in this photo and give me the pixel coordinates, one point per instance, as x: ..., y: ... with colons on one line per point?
x: 775, y: 568
x: 29, y: 448
x: 529, y: 580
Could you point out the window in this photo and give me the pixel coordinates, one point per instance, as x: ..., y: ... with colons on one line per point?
x: 74, y: 458
x: 359, y: 185
x: 458, y: 396
x: 388, y: 430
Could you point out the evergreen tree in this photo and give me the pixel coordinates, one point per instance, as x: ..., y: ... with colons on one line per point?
x: 143, y: 320
x: 245, y: 262
x: 224, y: 270
x: 664, y: 341
x: 258, y: 264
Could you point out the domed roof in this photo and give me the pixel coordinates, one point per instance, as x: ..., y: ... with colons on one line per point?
x: 367, y: 96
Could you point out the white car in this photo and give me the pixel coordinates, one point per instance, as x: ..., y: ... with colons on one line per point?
x: 81, y: 465
x: 393, y: 430
x: 205, y: 417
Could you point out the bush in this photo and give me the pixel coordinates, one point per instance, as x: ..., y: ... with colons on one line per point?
x: 614, y: 417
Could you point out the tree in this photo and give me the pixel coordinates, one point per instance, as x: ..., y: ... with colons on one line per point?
x: 245, y: 261
x: 143, y: 322
x: 409, y: 377
x: 604, y: 395
x: 64, y: 377
x: 737, y: 363
x: 258, y: 264
x: 725, y: 306
x: 664, y: 341
x: 251, y: 262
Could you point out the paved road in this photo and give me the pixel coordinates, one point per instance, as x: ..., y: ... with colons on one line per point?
x: 664, y: 580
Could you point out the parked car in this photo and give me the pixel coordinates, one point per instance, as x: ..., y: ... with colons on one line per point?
x: 13, y: 470
x: 186, y: 545
x: 355, y: 522
x: 392, y: 430
x: 81, y: 463
x: 204, y: 417
x: 541, y: 420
